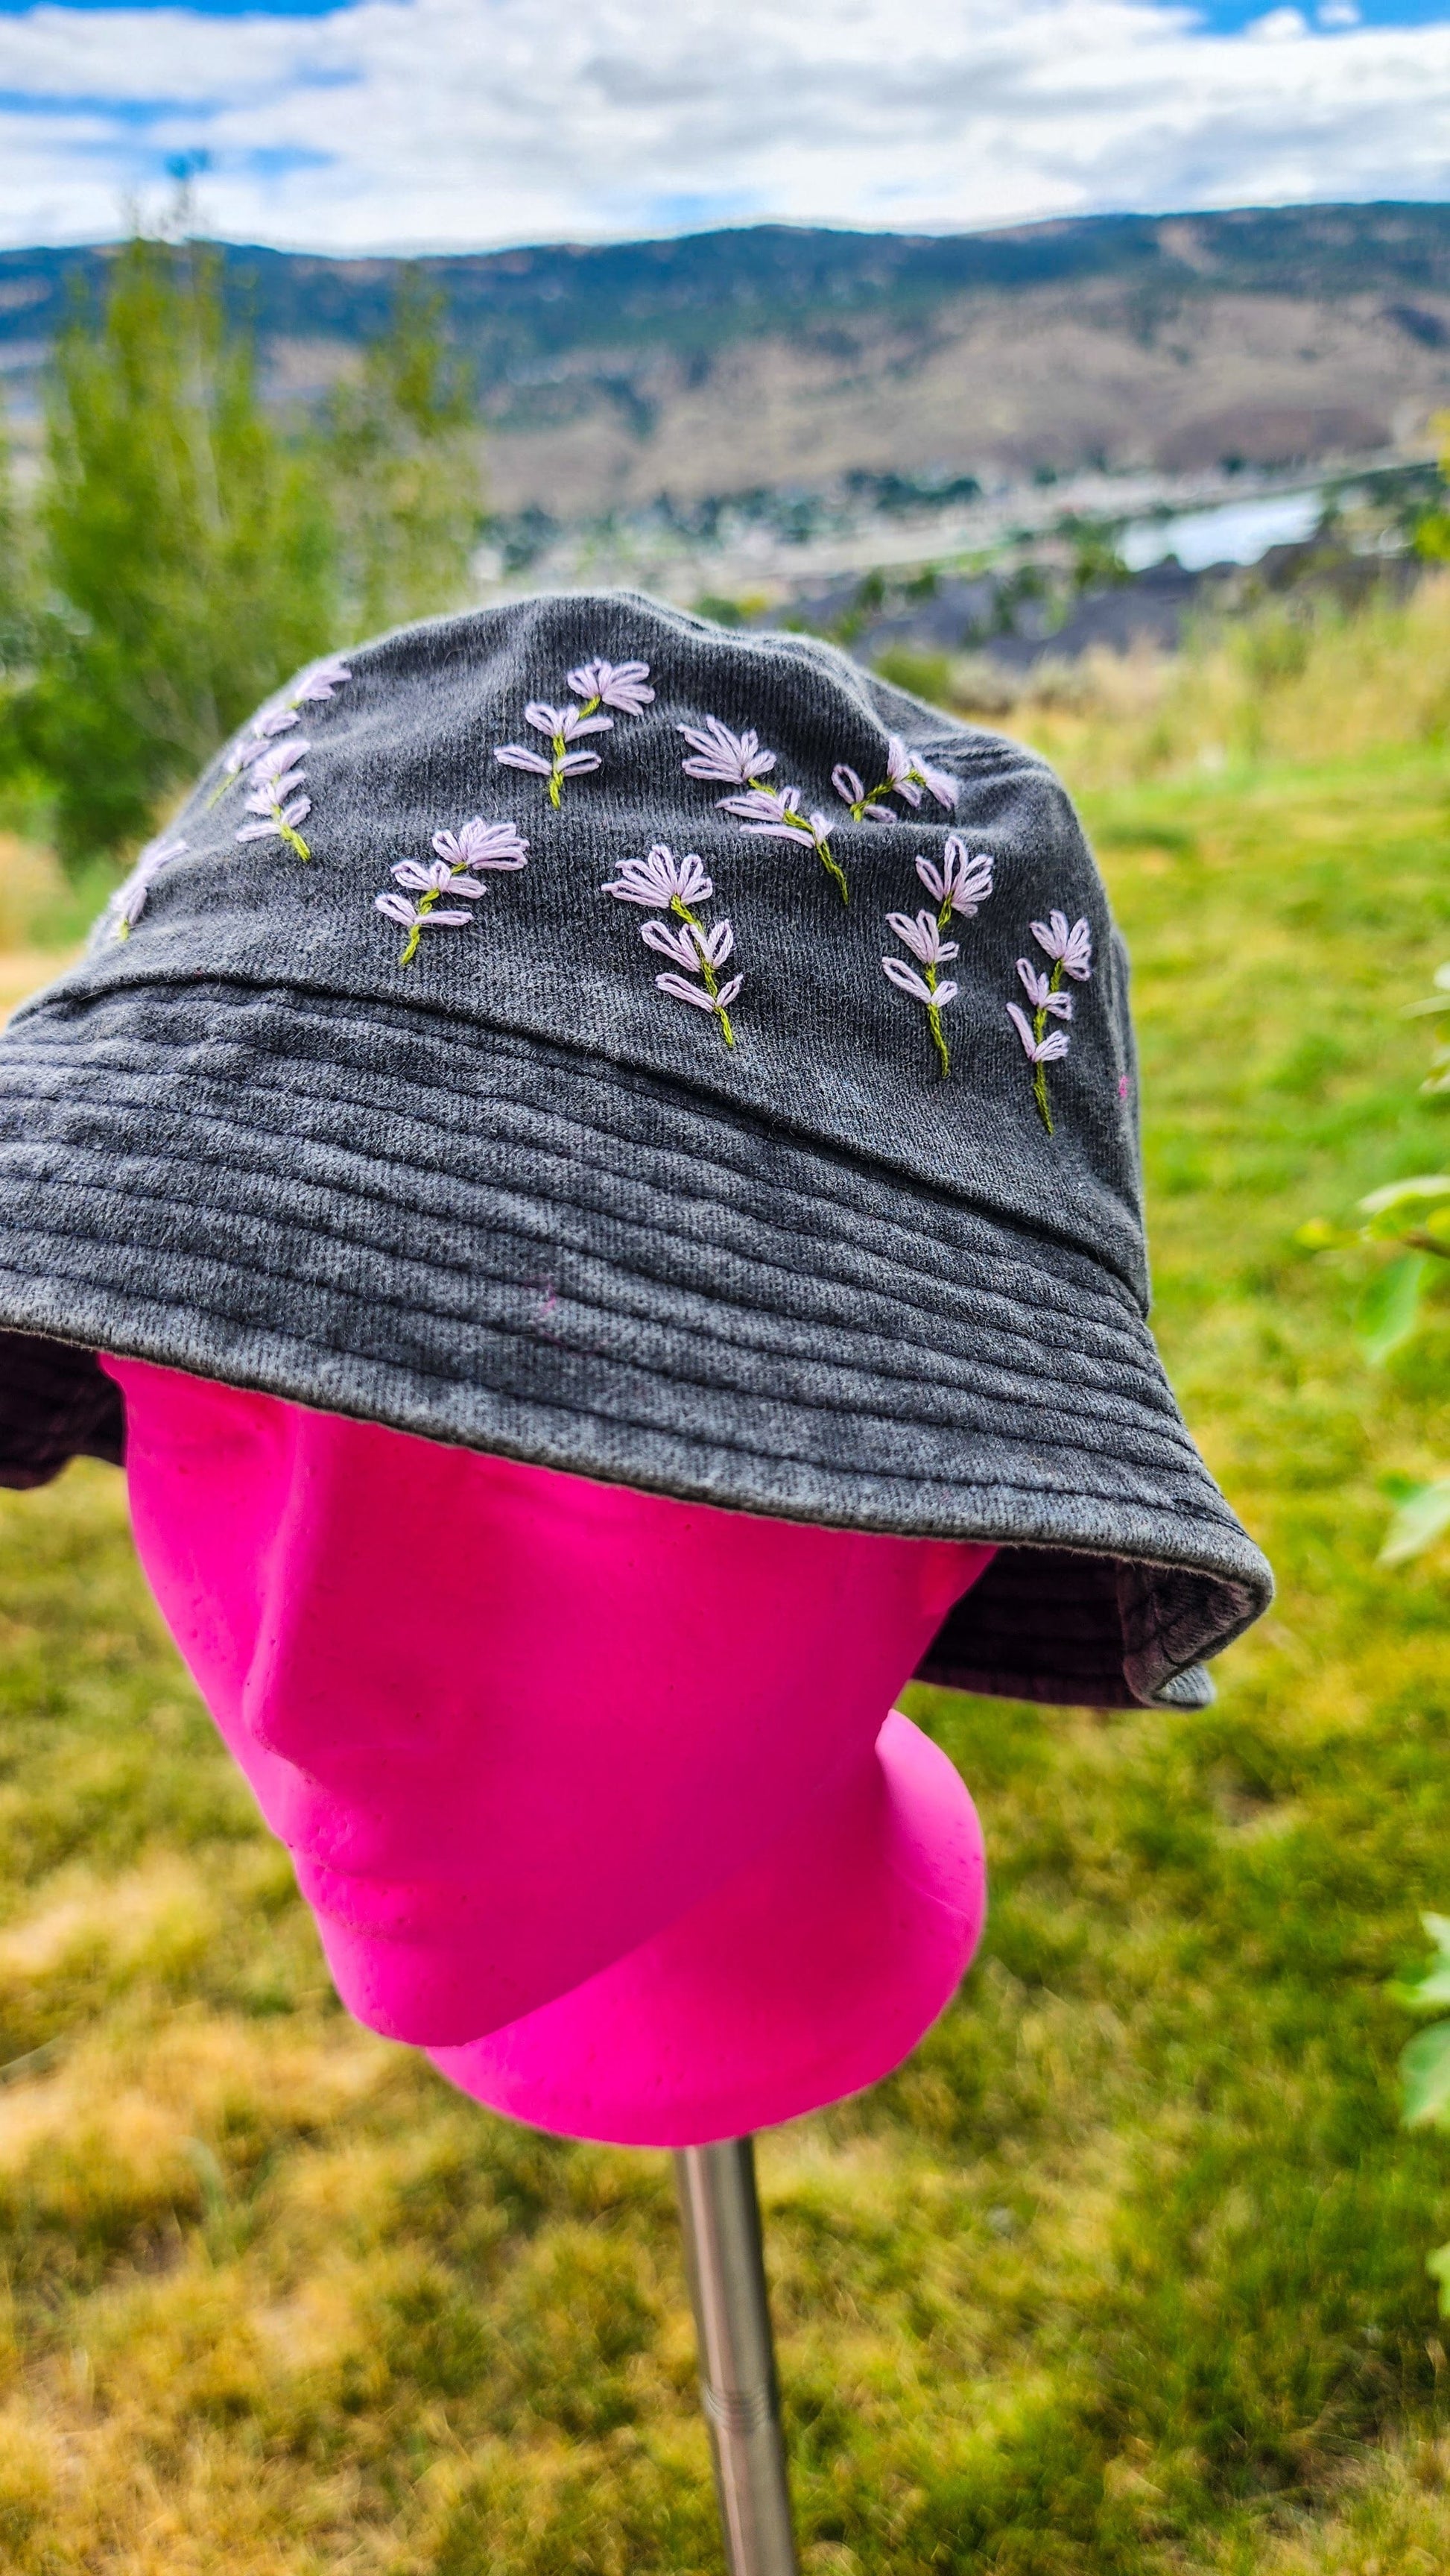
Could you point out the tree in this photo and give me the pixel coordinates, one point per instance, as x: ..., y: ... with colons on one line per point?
x: 186, y: 560
x: 189, y: 552
x: 405, y: 475
x: 16, y: 576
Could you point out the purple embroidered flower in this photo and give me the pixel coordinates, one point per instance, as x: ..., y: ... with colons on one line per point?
x: 1041, y: 993
x: 482, y: 845
x: 961, y: 883
x: 958, y: 887
x: 265, y: 728
x: 613, y: 684
x: 461, y: 855
x: 775, y: 814
x: 938, y: 783
x: 563, y: 725
x: 416, y: 919
x: 571, y: 722
x: 435, y: 877
x: 661, y: 880
x: 906, y: 979
x: 771, y: 813
x: 129, y: 901
x: 599, y: 684
x: 907, y: 774
x: 1047, y: 1050
x: 853, y: 791
x: 664, y: 883
x: 275, y: 784
x: 717, y: 1000
x: 923, y: 936
x: 734, y: 759
x: 689, y: 946
x: 320, y: 682
x: 1071, y: 951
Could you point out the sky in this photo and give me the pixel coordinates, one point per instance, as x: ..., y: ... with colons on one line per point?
x: 405, y: 125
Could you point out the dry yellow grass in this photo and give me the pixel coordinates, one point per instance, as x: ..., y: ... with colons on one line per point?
x: 24, y: 970
x: 1282, y: 685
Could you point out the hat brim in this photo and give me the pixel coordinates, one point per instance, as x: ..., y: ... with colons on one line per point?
x: 392, y: 1213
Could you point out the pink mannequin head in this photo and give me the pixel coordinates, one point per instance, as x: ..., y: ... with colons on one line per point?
x: 550, y: 1754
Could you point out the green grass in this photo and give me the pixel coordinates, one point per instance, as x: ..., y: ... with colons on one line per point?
x: 1123, y: 2273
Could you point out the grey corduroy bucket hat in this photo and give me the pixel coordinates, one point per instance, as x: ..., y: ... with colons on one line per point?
x: 666, y: 1055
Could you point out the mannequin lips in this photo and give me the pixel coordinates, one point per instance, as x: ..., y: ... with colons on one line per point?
x: 347, y: 1835
x: 422, y: 1910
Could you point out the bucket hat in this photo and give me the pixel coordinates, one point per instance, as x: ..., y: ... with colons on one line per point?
x: 674, y: 1056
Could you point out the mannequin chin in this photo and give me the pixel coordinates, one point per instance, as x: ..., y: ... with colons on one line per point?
x: 588, y: 1788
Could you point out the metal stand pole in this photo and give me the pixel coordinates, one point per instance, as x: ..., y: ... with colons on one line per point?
x: 720, y: 2215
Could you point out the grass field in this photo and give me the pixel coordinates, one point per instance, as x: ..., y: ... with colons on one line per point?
x: 1125, y: 2271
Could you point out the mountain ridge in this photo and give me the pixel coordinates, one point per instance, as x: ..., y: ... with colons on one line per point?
x: 610, y: 375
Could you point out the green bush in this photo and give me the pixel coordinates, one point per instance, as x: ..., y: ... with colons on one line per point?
x: 189, y: 551
x: 185, y: 556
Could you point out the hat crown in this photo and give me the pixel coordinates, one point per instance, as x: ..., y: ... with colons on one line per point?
x: 737, y: 862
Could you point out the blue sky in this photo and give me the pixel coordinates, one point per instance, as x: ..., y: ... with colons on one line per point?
x: 1222, y: 17
x: 411, y: 124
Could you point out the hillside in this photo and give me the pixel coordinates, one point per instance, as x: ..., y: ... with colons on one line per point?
x: 773, y: 356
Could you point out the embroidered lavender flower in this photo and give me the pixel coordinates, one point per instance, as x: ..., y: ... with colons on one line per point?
x: 1071, y: 951
x: 279, y: 716
x: 129, y: 901
x: 959, y: 886
x: 262, y: 730
x: 735, y: 759
x: 483, y: 845
x: 1041, y: 992
x: 612, y: 684
x: 963, y: 881
x: 663, y: 883
x: 322, y: 681
x: 563, y: 725
x: 776, y: 814
x: 462, y: 855
x: 923, y: 937
x: 598, y: 684
x: 415, y: 917
x: 907, y: 774
x: 275, y: 796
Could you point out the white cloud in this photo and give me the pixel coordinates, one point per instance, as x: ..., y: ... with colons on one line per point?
x: 1277, y: 26
x: 454, y: 123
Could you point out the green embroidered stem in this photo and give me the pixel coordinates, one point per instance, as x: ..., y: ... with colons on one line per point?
x: 858, y: 811
x: 1039, y: 1031
x: 933, y: 1021
x: 707, y: 971
x: 933, y: 1015
x: 590, y: 707
x: 292, y: 837
x: 410, y: 946
x: 832, y: 868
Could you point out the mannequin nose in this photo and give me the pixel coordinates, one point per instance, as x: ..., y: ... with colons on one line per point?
x: 317, y: 1585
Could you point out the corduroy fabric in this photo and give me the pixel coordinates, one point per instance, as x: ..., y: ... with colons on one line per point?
x: 514, y: 1197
